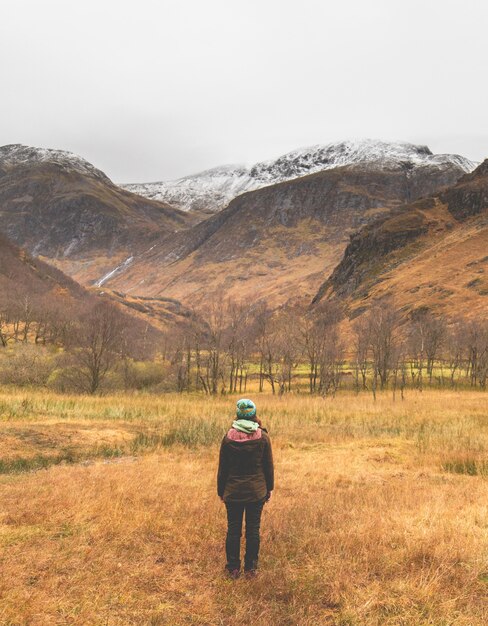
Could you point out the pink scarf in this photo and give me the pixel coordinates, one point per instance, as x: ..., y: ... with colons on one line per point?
x: 237, y: 435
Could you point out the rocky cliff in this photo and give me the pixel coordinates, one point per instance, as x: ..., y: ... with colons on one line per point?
x: 430, y: 253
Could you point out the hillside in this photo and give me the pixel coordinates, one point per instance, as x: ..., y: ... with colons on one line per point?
x: 213, y: 189
x: 29, y: 282
x: 431, y: 253
x: 60, y: 207
x: 279, y: 241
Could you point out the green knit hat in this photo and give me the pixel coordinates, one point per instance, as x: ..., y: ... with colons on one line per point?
x: 246, y: 409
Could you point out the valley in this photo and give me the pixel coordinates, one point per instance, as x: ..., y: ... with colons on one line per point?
x: 273, y: 232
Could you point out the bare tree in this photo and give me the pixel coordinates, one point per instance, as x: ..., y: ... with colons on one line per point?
x: 318, y: 338
x: 4, y: 320
x: 331, y: 361
x: 262, y: 330
x: 455, y: 341
x: 477, y: 350
x: 362, y: 346
x: 400, y: 369
x: 286, y: 347
x: 97, y: 343
x: 427, y: 337
x: 209, y: 327
x: 238, y: 341
x: 275, y: 348
x: 383, y: 325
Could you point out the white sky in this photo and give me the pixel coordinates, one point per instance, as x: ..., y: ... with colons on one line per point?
x: 156, y: 89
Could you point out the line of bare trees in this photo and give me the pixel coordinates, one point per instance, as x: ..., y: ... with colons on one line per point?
x: 221, y: 348
x: 39, y: 318
x: 314, y: 349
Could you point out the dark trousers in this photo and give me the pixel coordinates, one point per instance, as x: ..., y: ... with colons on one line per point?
x: 235, y: 513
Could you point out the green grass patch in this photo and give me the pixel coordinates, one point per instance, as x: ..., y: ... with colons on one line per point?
x: 191, y: 433
x: 468, y: 466
x: 20, y: 465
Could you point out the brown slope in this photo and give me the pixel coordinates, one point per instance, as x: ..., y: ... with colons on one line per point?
x: 21, y: 274
x: 63, y: 209
x: 432, y: 253
x: 277, y: 242
x: 26, y: 279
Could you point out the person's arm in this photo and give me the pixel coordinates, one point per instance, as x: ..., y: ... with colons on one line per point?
x: 268, y: 466
x: 223, y: 471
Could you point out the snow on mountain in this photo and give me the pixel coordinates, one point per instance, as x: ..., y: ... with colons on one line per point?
x: 210, y: 190
x: 309, y: 160
x: 213, y: 189
x: 18, y: 154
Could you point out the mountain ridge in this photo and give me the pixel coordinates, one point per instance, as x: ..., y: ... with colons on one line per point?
x: 299, y: 227
x: 212, y: 189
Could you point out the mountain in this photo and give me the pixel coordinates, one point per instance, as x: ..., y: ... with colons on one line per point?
x: 432, y: 253
x: 60, y: 207
x: 279, y: 241
x: 213, y: 189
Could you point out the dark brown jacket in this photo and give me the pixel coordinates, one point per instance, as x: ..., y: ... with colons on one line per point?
x: 246, y: 470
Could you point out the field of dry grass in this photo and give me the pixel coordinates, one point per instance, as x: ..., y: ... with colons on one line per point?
x: 380, y: 513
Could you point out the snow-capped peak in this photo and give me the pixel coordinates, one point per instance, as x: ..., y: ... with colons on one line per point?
x: 210, y: 190
x: 213, y: 189
x: 320, y: 157
x: 18, y: 154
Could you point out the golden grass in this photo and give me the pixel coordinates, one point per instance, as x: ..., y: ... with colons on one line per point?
x: 365, y: 527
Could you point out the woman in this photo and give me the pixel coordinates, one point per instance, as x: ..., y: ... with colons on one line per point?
x: 245, y: 481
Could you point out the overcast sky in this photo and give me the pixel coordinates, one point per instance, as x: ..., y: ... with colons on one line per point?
x: 157, y: 89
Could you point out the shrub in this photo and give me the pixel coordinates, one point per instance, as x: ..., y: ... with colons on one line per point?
x: 140, y: 374
x: 26, y: 364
